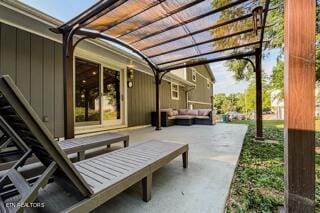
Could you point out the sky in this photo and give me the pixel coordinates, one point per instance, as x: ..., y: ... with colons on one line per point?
x: 64, y: 10
x: 225, y: 82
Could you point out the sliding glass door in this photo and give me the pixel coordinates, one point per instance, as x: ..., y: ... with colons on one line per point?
x: 98, y: 94
x: 87, y: 93
x: 111, y: 101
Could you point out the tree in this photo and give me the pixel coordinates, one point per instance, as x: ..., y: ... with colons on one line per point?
x: 276, y: 80
x: 224, y: 103
x: 218, y: 101
x: 275, y: 34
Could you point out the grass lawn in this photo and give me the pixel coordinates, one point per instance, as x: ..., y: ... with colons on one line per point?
x: 258, y: 184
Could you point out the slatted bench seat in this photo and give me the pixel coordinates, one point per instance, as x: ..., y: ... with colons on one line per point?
x: 111, y: 173
x: 80, y: 145
x: 132, y: 164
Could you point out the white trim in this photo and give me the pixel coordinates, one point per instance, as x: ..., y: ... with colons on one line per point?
x: 52, y: 38
x: 119, y: 129
x: 199, y: 102
x: 30, y: 12
x: 108, y: 63
x: 168, y: 77
x: 208, y: 79
x: 177, y: 91
x: 203, y: 76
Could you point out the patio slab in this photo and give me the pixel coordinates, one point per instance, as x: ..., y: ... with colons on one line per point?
x: 203, y: 187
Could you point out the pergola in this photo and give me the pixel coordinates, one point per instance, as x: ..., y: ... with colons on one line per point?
x: 172, y: 34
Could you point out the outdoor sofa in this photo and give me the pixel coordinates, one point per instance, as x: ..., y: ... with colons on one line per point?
x: 187, y: 117
x: 97, y: 179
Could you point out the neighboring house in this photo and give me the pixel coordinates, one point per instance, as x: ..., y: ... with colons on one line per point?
x: 113, y: 87
x: 277, y: 105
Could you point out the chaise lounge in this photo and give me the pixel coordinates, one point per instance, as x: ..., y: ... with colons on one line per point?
x: 98, y: 179
x: 170, y: 117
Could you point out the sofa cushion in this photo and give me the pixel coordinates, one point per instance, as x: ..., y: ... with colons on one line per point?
x: 183, y: 111
x: 202, y: 117
x: 175, y: 112
x: 166, y: 110
x: 204, y: 112
x: 184, y: 117
x: 193, y: 112
x: 170, y: 113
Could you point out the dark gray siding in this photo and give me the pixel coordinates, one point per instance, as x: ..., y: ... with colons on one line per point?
x: 35, y: 64
x: 201, y: 93
x: 141, y: 99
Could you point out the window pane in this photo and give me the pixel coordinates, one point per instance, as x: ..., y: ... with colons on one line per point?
x: 111, y: 94
x: 87, y: 91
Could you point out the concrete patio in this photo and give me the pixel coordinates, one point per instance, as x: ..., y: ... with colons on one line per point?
x: 203, y: 187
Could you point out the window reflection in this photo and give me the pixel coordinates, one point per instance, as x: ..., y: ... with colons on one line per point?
x: 87, y: 91
x: 111, y: 94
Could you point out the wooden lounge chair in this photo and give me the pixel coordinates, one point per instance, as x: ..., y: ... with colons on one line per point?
x: 4, y: 140
x: 98, y: 179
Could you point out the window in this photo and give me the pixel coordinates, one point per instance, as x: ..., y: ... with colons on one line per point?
x: 194, y: 75
x: 174, y: 91
x: 208, y: 84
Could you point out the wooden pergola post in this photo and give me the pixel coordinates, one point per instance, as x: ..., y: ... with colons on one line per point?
x: 300, y: 24
x: 259, y: 131
x: 68, y: 85
x: 158, y: 113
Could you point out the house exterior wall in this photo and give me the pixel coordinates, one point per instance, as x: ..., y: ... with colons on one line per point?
x: 32, y: 56
x: 35, y: 64
x: 141, y: 98
x: 200, y: 96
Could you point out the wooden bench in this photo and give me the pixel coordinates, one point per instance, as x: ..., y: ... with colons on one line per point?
x: 114, y: 172
x: 81, y: 145
x: 75, y: 145
x: 98, y: 179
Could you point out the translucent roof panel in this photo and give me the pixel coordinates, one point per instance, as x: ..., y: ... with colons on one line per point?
x: 173, y: 31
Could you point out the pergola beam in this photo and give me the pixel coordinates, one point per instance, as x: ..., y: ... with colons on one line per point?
x: 201, y: 62
x: 92, y: 13
x: 91, y: 34
x: 215, y: 26
x: 171, y: 13
x: 299, y: 83
x: 200, y: 31
x: 209, y: 53
x: 230, y: 5
x: 154, y: 4
x: 204, y: 42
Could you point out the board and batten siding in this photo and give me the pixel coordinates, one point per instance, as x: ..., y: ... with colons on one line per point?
x: 141, y: 99
x: 35, y: 64
x: 201, y: 93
